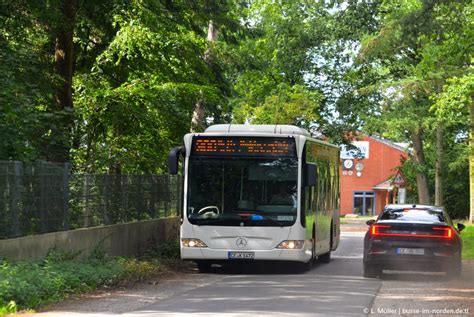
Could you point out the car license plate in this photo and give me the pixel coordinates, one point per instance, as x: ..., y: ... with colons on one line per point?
x: 241, y: 255
x: 411, y: 251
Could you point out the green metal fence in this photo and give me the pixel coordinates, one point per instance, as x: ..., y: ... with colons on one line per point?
x: 45, y: 197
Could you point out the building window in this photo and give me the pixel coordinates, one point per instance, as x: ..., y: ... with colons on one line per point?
x: 364, y: 203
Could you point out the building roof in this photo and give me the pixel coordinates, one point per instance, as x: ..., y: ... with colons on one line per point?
x: 385, y: 185
x: 396, y: 145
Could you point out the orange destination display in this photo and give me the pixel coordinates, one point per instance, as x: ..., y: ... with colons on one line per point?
x: 243, y: 146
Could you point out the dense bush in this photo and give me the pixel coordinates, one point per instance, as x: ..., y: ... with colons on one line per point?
x: 165, y: 251
x: 468, y: 242
x: 28, y: 284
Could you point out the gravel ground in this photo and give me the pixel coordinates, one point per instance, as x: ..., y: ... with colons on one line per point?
x: 426, y: 295
x: 119, y: 301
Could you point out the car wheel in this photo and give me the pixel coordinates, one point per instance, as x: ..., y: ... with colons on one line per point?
x: 371, y: 271
x: 204, y: 266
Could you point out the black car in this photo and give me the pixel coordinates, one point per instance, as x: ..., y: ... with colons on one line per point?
x: 412, y: 238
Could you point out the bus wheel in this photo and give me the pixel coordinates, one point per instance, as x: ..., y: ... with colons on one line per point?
x: 304, y: 266
x: 313, y: 247
x: 204, y: 266
x: 325, y: 258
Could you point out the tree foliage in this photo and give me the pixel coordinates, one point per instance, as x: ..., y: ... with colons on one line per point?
x: 139, y: 66
x: 25, y: 82
x: 398, y: 69
x: 416, y: 52
x: 273, y: 62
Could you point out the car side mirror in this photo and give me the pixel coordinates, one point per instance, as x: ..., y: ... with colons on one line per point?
x: 461, y: 227
x: 370, y: 222
x: 311, y: 174
x: 173, y: 159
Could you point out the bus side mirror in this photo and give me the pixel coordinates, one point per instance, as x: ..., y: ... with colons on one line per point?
x: 461, y: 227
x: 173, y: 159
x: 310, y: 174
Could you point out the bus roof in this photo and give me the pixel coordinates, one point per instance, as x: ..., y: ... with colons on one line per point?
x: 257, y: 128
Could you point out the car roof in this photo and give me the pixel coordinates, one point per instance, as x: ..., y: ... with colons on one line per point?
x: 413, y: 206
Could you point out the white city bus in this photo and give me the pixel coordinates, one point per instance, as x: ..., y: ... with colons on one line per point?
x: 257, y: 192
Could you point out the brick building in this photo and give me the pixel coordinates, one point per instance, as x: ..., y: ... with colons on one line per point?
x: 366, y: 185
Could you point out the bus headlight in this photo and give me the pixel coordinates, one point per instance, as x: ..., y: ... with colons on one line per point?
x: 193, y: 243
x: 291, y: 244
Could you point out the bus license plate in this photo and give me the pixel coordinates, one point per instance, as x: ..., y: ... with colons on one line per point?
x: 410, y: 251
x: 241, y: 255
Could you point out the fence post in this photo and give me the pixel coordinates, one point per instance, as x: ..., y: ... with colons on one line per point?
x: 105, y: 209
x: 86, y: 207
x: 43, y: 198
x: 15, y: 192
x: 66, y: 216
x: 4, y: 203
x: 139, y: 201
x: 153, y: 193
x: 125, y: 209
x: 166, y: 195
x: 29, y: 200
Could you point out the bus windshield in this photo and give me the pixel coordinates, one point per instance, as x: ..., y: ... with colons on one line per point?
x: 242, y: 191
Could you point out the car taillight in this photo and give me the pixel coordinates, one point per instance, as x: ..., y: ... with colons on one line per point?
x: 447, y: 232
x: 375, y: 229
x: 437, y: 232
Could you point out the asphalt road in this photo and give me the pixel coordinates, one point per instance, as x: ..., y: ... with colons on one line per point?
x: 336, y: 289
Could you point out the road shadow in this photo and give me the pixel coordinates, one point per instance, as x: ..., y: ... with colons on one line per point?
x: 262, y: 268
x: 414, y: 276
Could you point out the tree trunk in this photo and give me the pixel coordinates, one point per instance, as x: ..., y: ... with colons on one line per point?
x: 199, y: 114
x: 115, y: 164
x: 471, y: 159
x: 212, y: 32
x: 439, y: 164
x: 197, y: 121
x: 64, y: 68
x: 419, y: 156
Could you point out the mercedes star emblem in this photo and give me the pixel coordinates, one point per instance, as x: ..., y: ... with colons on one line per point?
x: 241, y: 242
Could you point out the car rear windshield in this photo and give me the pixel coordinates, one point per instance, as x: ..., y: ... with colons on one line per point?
x: 414, y: 214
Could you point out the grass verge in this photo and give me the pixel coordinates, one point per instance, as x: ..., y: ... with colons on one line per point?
x: 467, y: 236
x: 30, y: 284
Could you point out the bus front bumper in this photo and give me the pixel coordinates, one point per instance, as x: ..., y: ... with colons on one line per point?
x: 298, y: 255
